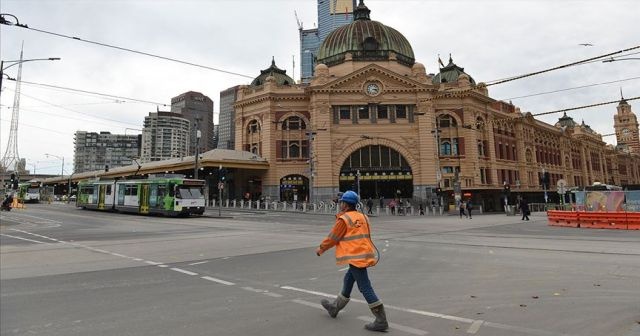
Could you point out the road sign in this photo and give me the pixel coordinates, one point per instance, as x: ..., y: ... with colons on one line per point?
x: 562, y: 186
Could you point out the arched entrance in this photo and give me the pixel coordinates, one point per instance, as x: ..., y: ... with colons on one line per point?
x: 383, y: 172
x: 294, y: 188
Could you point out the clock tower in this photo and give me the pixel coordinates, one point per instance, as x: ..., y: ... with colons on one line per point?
x: 625, y: 123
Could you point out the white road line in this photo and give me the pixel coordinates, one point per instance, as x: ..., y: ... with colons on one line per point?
x: 308, y: 291
x: 163, y: 266
x: 198, y: 263
x: 155, y: 263
x: 183, y: 271
x: 218, y: 281
x: 307, y: 303
x: 26, y: 239
x: 400, y: 327
x: 475, y: 326
x: 255, y: 290
x: 137, y: 259
x: 119, y: 255
x: 275, y: 295
x: 426, y: 313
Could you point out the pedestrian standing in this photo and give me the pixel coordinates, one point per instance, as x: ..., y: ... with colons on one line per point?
x: 369, y: 206
x: 461, y: 206
x: 524, y: 208
x: 351, y: 235
x: 469, y: 208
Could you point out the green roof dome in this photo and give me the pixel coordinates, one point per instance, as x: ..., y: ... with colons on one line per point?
x: 366, y: 40
x: 450, y: 73
x: 279, y: 75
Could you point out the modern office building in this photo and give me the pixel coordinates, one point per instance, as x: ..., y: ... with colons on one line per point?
x: 103, y: 150
x: 331, y: 15
x: 372, y: 119
x: 165, y: 135
x: 198, y: 109
x: 226, y: 121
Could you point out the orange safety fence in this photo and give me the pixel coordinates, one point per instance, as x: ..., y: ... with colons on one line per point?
x: 595, y: 220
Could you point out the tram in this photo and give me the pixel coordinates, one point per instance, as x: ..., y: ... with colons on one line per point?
x: 29, y: 192
x: 169, y: 196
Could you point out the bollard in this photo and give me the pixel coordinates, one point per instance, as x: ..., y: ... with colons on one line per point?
x: 284, y: 206
x: 304, y: 207
x: 233, y: 203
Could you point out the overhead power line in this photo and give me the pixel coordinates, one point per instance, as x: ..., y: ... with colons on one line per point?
x: 458, y: 93
x: 571, y: 88
x: 18, y: 24
x: 94, y: 93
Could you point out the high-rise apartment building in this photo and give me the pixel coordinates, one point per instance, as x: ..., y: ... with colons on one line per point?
x: 165, y: 135
x: 97, y: 151
x: 331, y: 15
x: 198, y: 109
x: 226, y: 130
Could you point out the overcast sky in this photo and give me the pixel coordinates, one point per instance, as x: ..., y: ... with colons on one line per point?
x: 491, y: 39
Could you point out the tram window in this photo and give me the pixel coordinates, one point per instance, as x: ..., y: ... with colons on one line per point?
x: 189, y: 192
x: 108, y: 189
x: 171, y: 189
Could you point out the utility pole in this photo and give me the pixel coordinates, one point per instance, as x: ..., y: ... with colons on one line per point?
x: 198, y: 133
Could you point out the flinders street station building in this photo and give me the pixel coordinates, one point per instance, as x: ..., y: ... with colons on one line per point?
x: 371, y: 118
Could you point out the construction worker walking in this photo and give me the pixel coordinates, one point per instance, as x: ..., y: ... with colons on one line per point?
x: 351, y: 236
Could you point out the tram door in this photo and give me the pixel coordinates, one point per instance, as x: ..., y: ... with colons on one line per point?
x: 144, y: 198
x: 101, y: 191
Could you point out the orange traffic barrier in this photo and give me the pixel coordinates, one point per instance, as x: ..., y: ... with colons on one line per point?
x: 595, y: 220
x: 633, y: 220
x: 17, y: 204
x: 563, y: 218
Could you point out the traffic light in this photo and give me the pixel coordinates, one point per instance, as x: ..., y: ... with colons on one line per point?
x: 14, y: 181
x: 222, y: 174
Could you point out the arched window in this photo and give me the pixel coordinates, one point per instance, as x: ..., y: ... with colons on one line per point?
x: 294, y: 123
x: 370, y: 44
x: 253, y: 127
x: 445, y: 148
x: 446, y: 121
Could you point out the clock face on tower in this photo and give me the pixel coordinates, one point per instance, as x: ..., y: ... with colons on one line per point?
x: 626, y: 133
x: 372, y: 89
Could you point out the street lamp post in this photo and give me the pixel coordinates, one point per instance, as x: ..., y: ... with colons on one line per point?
x: 198, y: 134
x: 3, y: 68
x: 61, y: 170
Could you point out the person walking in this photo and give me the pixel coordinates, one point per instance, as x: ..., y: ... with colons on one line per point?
x: 524, y: 208
x: 462, y: 213
x: 469, y: 208
x: 369, y: 206
x: 351, y: 235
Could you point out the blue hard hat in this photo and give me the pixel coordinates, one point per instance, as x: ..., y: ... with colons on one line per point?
x: 350, y: 197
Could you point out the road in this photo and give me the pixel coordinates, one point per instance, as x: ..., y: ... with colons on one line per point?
x: 66, y: 271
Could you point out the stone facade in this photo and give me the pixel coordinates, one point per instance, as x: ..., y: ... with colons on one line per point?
x: 385, y: 124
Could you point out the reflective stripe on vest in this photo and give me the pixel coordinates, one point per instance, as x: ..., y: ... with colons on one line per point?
x: 360, y: 256
x: 356, y: 247
x: 366, y: 235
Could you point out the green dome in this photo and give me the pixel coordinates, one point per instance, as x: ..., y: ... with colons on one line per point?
x: 450, y: 73
x: 366, y: 40
x: 278, y: 74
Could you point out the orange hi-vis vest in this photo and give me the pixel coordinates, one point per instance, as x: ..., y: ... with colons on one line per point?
x: 352, y: 238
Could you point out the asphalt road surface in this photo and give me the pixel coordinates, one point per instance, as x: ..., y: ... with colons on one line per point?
x: 66, y: 271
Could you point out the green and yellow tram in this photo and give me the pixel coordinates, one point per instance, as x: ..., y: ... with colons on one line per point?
x: 172, y: 196
x: 29, y: 192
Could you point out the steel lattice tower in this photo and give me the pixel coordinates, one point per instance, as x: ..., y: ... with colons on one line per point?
x: 11, y: 158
